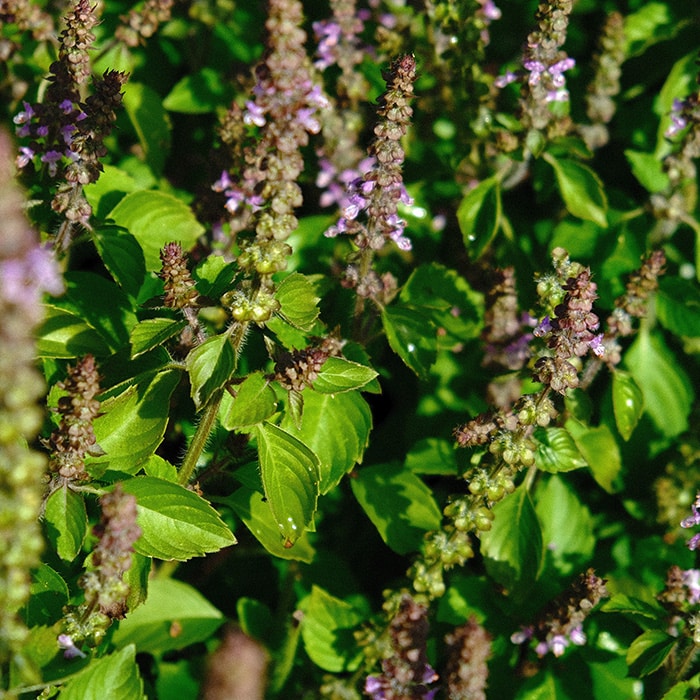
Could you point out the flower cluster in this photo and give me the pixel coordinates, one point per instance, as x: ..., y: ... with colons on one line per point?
x: 466, y: 673
x: 561, y: 623
x: 692, y: 521
x: 600, y: 105
x: 142, y: 23
x: 75, y: 438
x: 26, y: 272
x: 406, y: 673
x: 105, y: 590
x: 298, y: 369
x: 544, y: 63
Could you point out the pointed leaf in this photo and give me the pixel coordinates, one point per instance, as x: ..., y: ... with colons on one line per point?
x: 412, y: 337
x: 153, y: 332
x: 117, y: 673
x: 327, y: 630
x: 648, y: 169
x: 210, y: 365
x: 432, y: 456
x: 600, y: 450
x: 678, y: 306
x: 255, y: 402
x: 156, y: 218
x: 337, y: 429
x: 65, y: 335
x: 298, y: 301
x: 122, y: 256
x: 557, y: 451
x: 668, y: 392
x: 289, y: 471
x: 628, y: 402
x: 66, y: 522
x: 648, y: 652
x: 105, y: 194
x: 512, y: 548
x: 479, y: 215
x: 398, y: 503
x: 581, y: 190
x: 621, y: 603
x: 174, y: 616
x: 251, y: 507
x: 175, y: 522
x: 338, y: 375
x: 198, y: 93
x: 133, y: 423
x: 48, y: 595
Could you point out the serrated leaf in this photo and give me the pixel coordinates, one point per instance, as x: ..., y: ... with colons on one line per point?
x: 648, y: 652
x: 255, y: 402
x: 152, y: 332
x: 678, y: 306
x: 557, y: 451
x: 479, y: 215
x: 512, y: 548
x: 600, y: 450
x: 160, y: 468
x: 105, y: 194
x: 668, y: 392
x: 581, y: 189
x: 338, y: 375
x: 117, y: 673
x: 48, y: 595
x: 628, y: 402
x: 327, y: 631
x: 250, y: 506
x: 66, y: 522
x: 624, y: 604
x: 214, y: 275
x: 65, y: 335
x: 289, y: 472
x: 133, y: 423
x: 567, y: 526
x: 198, y: 93
x: 412, y: 336
x: 155, y: 219
x: 398, y: 503
x: 336, y: 428
x: 298, y: 301
x: 151, y: 123
x: 432, y: 456
x: 122, y: 256
x: 175, y: 522
x: 174, y: 616
x: 210, y: 365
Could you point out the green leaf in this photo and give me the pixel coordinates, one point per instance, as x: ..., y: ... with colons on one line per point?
x: 628, y: 402
x: 175, y: 522
x: 122, y: 256
x: 412, y: 337
x: 155, y: 219
x: 65, y: 335
x: 678, y: 306
x: 625, y: 605
x: 600, y: 450
x: 512, y: 548
x: 479, y: 215
x: 567, y: 526
x: 255, y: 618
x: 198, y: 93
x: 66, y: 522
x: 581, y: 189
x: 160, y: 468
x: 298, y: 301
x: 48, y: 595
x: 338, y: 375
x: 432, y: 456
x: 327, y: 631
x: 133, y: 423
x: 454, y: 306
x: 214, y: 276
x: 250, y: 506
x: 117, y: 673
x: 336, y: 428
x: 648, y: 25
x: 105, y: 194
x: 647, y: 168
x: 152, y: 332
x: 174, y: 616
x: 289, y: 472
x: 398, y: 503
x: 255, y: 402
x: 648, y: 652
x: 210, y: 365
x: 557, y: 451
x: 668, y: 392
x: 151, y: 123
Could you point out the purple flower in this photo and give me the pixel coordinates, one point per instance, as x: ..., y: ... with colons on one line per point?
x: 678, y: 121
x: 70, y: 651
x: 544, y: 327
x: 692, y: 521
x: 24, y: 156
x: 51, y: 158
x: 691, y: 579
x: 505, y: 79
x: 254, y: 114
x: 596, y: 345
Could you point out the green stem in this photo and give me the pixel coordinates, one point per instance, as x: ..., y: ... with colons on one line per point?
x: 196, y: 447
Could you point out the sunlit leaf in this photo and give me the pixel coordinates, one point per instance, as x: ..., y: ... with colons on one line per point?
x: 66, y: 522
x: 412, y: 336
x: 479, y: 215
x: 628, y: 402
x: 210, y: 365
x: 557, y: 451
x: 338, y: 375
x: 255, y: 402
x: 649, y: 651
x: 298, y: 301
